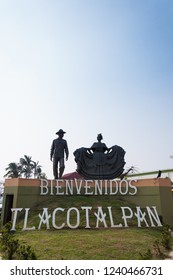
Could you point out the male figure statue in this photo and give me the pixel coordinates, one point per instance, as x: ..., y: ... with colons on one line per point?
x: 58, y: 148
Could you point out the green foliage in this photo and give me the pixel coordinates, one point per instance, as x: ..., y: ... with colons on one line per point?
x: 26, y: 168
x: 11, y: 247
x: 166, y: 239
x: 8, y: 244
x: 13, y: 170
x: 146, y: 255
x: 160, y: 247
x: 25, y: 253
x: 159, y: 252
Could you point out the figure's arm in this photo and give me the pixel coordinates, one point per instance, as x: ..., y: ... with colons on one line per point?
x: 51, y: 151
x: 89, y: 150
x: 108, y: 149
x: 105, y: 148
x: 66, y: 151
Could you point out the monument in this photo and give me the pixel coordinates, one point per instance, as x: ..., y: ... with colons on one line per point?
x: 58, y: 148
x: 140, y: 202
x: 99, y: 161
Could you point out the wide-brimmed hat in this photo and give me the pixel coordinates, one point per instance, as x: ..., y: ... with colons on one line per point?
x: 60, y: 131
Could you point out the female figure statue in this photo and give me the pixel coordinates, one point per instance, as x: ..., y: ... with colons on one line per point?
x: 99, y: 161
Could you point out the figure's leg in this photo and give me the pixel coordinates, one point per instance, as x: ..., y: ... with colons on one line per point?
x: 55, y: 168
x: 61, y: 167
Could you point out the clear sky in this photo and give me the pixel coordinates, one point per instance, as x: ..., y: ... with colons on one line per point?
x: 88, y: 67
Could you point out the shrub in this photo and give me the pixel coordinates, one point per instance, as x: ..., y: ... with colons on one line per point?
x: 11, y: 247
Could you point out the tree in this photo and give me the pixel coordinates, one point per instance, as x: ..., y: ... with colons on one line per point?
x: 13, y: 170
x: 27, y: 166
x: 37, y: 169
x: 42, y: 175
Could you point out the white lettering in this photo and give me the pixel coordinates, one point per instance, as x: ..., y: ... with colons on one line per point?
x: 26, y: 221
x: 78, y: 187
x: 59, y: 187
x: 111, y: 218
x: 53, y: 218
x: 44, y: 219
x: 51, y: 187
x: 106, y: 187
x: 44, y: 187
x: 73, y: 217
x: 98, y: 187
x: 77, y: 217
x: 87, y: 215
x: 69, y: 187
x: 100, y: 215
x: 88, y: 187
x: 125, y: 217
x: 111, y: 187
x: 132, y: 187
x: 154, y: 216
x: 140, y: 217
x: 15, y: 211
x: 91, y: 187
x: 123, y: 182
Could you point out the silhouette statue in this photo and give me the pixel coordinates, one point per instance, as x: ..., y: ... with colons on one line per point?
x: 99, y: 161
x: 58, y: 148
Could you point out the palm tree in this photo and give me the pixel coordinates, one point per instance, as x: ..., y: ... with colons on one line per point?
x: 36, y: 169
x: 27, y: 166
x: 13, y: 170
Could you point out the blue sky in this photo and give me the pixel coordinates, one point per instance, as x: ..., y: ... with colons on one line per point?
x: 88, y: 67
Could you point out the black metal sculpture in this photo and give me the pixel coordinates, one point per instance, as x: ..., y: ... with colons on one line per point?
x: 58, y: 148
x: 99, y: 161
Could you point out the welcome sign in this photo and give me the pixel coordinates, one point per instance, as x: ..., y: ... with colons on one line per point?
x: 102, y: 216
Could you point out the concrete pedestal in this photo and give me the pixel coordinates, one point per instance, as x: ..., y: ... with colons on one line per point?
x: 26, y: 193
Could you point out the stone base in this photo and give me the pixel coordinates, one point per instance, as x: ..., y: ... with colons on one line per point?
x: 27, y: 193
